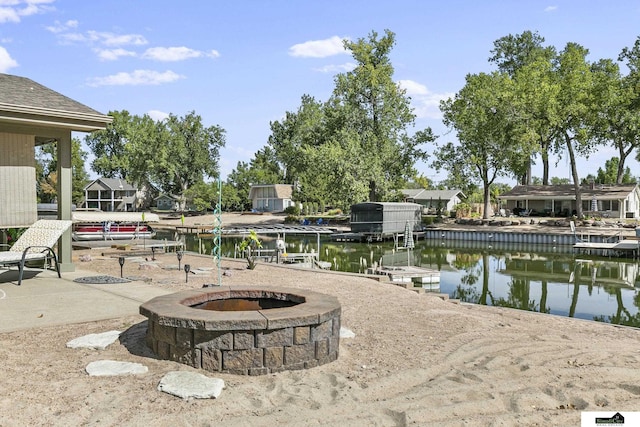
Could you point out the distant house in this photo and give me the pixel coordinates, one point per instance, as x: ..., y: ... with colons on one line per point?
x: 610, y: 200
x: 110, y: 195
x: 167, y: 202
x: 271, y: 197
x: 432, y: 200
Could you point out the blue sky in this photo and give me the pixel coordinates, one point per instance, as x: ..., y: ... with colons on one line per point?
x: 242, y: 64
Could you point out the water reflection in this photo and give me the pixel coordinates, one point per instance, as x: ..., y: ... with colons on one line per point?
x: 544, y: 279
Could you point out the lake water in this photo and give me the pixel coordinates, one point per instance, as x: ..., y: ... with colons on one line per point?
x: 544, y: 279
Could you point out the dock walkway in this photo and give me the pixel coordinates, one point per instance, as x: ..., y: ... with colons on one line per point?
x: 626, y: 246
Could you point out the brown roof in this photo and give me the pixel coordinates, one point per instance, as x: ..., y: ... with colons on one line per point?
x: 23, y: 100
x: 547, y: 192
x: 283, y: 191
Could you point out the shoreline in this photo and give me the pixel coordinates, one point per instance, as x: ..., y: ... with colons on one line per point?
x: 414, y: 360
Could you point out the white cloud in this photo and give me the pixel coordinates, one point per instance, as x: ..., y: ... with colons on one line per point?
x: 13, y: 10
x: 337, y: 68
x: 550, y: 8
x: 137, y: 78
x: 425, y: 102
x: 113, y: 54
x: 318, y: 48
x: 110, y: 39
x: 158, y: 115
x: 8, y: 15
x: 171, y: 54
x: 59, y: 27
x: 6, y: 61
x: 104, y: 38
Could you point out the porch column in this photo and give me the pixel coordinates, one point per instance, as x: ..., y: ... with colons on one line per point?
x: 65, y: 200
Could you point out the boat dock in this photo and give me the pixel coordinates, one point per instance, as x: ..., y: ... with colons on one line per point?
x: 629, y: 246
x: 407, y: 274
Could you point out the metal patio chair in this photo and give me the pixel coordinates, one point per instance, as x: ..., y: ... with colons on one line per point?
x: 36, y: 244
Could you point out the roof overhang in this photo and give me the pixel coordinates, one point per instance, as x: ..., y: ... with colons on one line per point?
x: 50, y: 118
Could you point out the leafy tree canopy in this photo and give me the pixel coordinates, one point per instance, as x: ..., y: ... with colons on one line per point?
x: 609, y: 175
x: 171, y: 155
x: 356, y: 146
x: 47, y: 175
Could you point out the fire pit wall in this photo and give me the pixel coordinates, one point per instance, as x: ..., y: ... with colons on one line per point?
x: 253, y: 342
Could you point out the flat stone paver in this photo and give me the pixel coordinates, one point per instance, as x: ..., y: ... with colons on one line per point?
x: 191, y: 385
x: 346, y: 333
x: 109, y: 368
x: 95, y: 341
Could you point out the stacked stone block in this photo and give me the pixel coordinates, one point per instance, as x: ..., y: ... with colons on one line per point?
x: 245, y: 342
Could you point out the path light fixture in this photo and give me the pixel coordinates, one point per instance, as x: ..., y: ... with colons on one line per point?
x: 179, y: 255
x: 187, y: 269
x: 153, y: 253
x: 121, y: 262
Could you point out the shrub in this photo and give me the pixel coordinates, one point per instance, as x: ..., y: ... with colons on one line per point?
x: 291, y: 219
x: 248, y: 245
x: 428, y: 220
x: 292, y: 210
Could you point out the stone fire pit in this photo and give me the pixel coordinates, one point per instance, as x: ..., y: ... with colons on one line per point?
x: 249, y: 330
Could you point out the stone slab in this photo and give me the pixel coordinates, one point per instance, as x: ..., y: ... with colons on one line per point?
x: 346, y: 333
x: 188, y: 385
x: 96, y: 341
x: 103, y: 368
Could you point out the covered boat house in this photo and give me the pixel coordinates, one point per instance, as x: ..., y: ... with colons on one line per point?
x: 385, y: 219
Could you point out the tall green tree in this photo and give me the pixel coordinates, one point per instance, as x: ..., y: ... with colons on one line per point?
x: 481, y: 116
x: 47, y: 175
x: 575, y: 114
x: 511, y: 53
x: 610, y: 173
x: 186, y: 152
x: 240, y: 180
x: 525, y: 59
x: 297, y: 130
x: 109, y: 146
x: 171, y: 155
x: 378, y: 113
x: 619, y: 104
x: 356, y: 146
x: 536, y: 105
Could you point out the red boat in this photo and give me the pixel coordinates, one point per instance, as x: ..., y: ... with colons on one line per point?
x: 112, y: 225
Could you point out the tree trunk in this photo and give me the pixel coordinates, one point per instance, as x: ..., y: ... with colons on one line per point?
x: 485, y: 279
x: 544, y: 153
x: 623, y: 159
x: 487, y: 201
x: 372, y: 191
x: 543, y: 297
x: 574, y: 173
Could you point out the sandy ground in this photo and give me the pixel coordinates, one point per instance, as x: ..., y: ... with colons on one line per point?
x: 415, y: 360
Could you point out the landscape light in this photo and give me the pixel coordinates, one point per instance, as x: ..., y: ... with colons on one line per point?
x: 121, y: 262
x: 187, y: 269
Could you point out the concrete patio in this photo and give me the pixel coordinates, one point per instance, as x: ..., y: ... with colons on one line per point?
x: 44, y: 300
